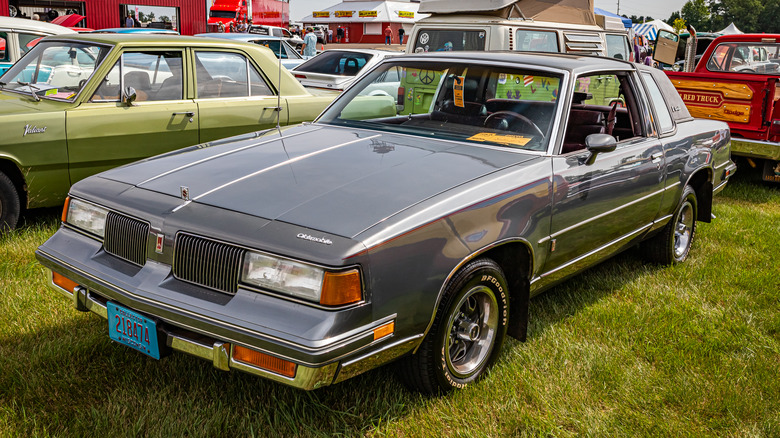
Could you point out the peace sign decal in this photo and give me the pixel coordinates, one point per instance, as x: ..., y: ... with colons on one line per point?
x: 426, y: 77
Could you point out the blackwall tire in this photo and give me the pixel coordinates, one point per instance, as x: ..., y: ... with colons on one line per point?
x: 467, y: 333
x: 9, y: 204
x: 673, y: 243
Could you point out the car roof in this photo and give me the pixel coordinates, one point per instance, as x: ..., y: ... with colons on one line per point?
x: 238, y: 36
x: 147, y: 38
x: 562, y: 61
x: 136, y: 30
x: 371, y: 51
x: 33, y: 25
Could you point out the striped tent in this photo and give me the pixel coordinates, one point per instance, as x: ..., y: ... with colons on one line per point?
x: 649, y: 30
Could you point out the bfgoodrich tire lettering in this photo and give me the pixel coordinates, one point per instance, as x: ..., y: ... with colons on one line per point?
x: 9, y: 204
x: 467, y: 332
x: 673, y: 243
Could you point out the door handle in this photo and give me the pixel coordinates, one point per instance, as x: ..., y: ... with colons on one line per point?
x: 275, y: 108
x: 656, y: 156
x: 189, y: 114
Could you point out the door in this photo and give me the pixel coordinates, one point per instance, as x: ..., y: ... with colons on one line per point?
x: 598, y: 207
x: 233, y: 97
x: 106, y: 131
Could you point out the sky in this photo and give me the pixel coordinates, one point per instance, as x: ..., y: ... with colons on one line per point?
x: 655, y: 8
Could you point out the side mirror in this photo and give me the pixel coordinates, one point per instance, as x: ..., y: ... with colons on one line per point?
x: 130, y: 96
x: 597, y: 144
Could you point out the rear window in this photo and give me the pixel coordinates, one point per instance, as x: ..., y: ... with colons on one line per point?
x: 435, y: 40
x: 334, y: 62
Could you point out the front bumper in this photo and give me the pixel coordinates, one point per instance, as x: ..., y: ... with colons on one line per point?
x: 318, y: 362
x: 766, y: 150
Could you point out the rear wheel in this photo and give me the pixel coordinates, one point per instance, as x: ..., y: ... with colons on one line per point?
x: 9, y: 204
x: 467, y: 333
x: 673, y: 243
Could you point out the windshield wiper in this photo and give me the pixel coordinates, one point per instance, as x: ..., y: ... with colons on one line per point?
x: 33, y: 89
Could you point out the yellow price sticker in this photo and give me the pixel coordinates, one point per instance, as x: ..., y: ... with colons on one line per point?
x: 457, y: 91
x: 507, y: 139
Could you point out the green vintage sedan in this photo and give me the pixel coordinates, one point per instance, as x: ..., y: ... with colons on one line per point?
x: 76, y: 105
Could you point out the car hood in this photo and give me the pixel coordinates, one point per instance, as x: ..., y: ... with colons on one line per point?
x: 332, y: 179
x: 17, y: 103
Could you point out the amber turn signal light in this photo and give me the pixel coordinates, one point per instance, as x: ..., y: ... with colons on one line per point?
x: 340, y: 288
x: 384, y: 330
x: 63, y: 282
x: 65, y: 210
x: 264, y: 361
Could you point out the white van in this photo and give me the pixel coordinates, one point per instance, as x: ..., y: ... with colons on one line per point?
x: 521, y: 25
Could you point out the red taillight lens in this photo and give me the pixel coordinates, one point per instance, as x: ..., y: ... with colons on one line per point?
x: 300, y: 76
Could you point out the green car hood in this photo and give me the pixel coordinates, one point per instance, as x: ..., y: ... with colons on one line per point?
x: 16, y: 103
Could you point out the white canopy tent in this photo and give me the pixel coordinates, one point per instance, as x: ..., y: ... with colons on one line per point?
x: 387, y: 11
x: 731, y: 29
x: 650, y: 29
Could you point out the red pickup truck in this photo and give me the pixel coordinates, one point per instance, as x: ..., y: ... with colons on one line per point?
x: 736, y: 81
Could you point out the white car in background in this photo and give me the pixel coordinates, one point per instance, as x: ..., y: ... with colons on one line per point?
x: 338, y: 68
x: 289, y: 56
x: 18, y: 35
x: 262, y: 29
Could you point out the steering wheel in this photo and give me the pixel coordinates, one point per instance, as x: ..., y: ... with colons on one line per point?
x: 504, y: 119
x: 611, y: 117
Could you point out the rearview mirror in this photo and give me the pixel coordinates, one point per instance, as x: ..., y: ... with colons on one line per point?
x: 597, y: 144
x: 130, y: 96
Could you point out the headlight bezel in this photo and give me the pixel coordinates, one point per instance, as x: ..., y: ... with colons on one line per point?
x: 74, y: 204
x: 325, y: 271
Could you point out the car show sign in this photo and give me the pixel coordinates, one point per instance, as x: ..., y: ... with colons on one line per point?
x: 367, y: 14
x: 320, y: 14
x: 405, y: 14
x: 343, y: 14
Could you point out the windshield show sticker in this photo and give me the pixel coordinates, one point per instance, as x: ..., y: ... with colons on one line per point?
x: 507, y: 139
x: 457, y: 91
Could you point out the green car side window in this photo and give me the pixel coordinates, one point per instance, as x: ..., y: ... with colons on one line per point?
x: 154, y: 75
x: 108, y: 91
x: 225, y: 74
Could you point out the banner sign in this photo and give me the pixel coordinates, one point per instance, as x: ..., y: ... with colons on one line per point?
x: 405, y: 14
x: 320, y: 14
x: 366, y: 14
x: 343, y: 14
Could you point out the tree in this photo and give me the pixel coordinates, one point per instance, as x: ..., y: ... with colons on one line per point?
x: 679, y: 25
x: 768, y: 22
x: 696, y: 14
x: 675, y: 15
x: 743, y: 13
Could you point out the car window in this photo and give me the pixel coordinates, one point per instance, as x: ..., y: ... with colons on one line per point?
x: 602, y: 103
x: 665, y: 123
x: 499, y: 106
x: 746, y: 57
x: 226, y: 74
x: 27, y: 41
x: 536, y: 41
x: 3, y: 45
x: 56, y: 69
x: 439, y: 40
x: 336, y: 62
x: 617, y: 46
x: 108, y: 90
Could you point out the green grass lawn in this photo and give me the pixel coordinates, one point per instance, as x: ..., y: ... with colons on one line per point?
x: 626, y: 349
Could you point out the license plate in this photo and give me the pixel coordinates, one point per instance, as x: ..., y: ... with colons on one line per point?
x: 133, y: 329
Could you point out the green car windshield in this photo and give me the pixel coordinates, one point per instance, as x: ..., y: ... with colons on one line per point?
x: 509, y: 107
x: 54, y: 70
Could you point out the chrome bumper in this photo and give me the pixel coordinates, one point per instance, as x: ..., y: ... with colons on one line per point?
x: 217, y: 352
x: 744, y: 147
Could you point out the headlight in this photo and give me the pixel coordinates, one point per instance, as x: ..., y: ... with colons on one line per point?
x: 301, y: 280
x: 85, y: 216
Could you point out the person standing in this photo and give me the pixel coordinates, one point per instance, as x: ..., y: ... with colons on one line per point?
x: 401, y: 33
x: 129, y: 22
x: 339, y: 34
x: 330, y: 35
x: 309, y: 43
x: 388, y: 35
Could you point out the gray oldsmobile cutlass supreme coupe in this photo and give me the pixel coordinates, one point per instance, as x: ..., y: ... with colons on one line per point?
x: 412, y: 225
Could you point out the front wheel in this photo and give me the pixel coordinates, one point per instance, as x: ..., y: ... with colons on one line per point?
x: 673, y: 243
x: 9, y: 204
x: 467, y: 333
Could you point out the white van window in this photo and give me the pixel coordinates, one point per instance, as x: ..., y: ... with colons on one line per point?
x: 439, y: 40
x: 536, y: 41
x: 617, y: 47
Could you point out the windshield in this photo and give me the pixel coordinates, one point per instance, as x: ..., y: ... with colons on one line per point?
x: 335, y: 62
x: 483, y: 104
x: 433, y: 40
x: 55, y: 69
x: 223, y: 14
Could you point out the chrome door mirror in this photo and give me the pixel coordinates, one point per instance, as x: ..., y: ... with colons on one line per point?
x: 599, y: 143
x: 130, y: 96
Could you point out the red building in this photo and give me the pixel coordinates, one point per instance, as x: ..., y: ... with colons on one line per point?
x: 186, y: 16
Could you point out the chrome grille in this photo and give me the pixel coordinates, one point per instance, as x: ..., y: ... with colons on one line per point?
x: 126, y: 238
x: 207, y: 263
